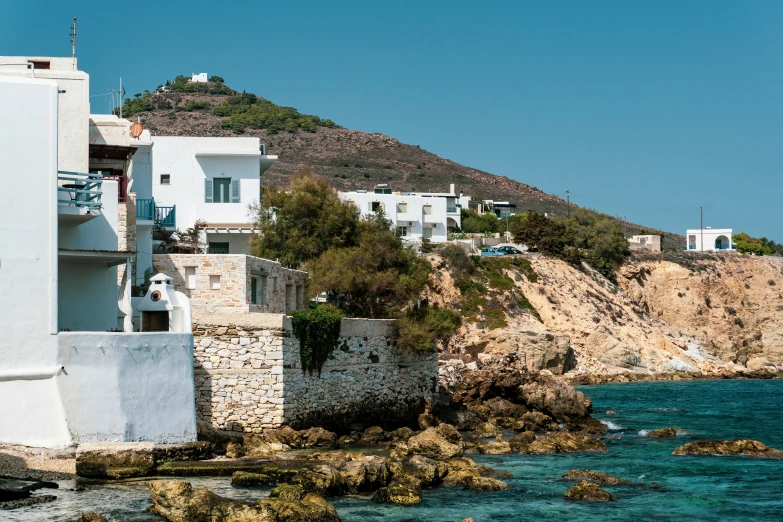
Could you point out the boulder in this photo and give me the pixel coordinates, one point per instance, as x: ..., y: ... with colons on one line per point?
x: 751, y: 448
x: 427, y: 420
x: 433, y: 442
x: 177, y: 501
x: 317, y: 438
x: 401, y: 434
x: 116, y: 460
x: 254, y: 447
x: 91, y: 516
x: 15, y: 489
x: 595, y: 477
x: 520, y: 442
x: 486, y: 430
x: 499, y: 446
x: 534, y: 421
x: 499, y: 407
x: 322, y: 479
x: 663, y: 433
x: 462, y: 471
x: 27, y: 502
x: 397, y: 495
x: 555, y: 397
x: 588, y: 492
x: 564, y: 442
x: 288, y: 492
x: 374, y: 435
x: 365, y: 474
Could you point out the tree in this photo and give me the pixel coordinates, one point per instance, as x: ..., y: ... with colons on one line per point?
x: 301, y: 224
x: 376, y: 278
x: 546, y: 234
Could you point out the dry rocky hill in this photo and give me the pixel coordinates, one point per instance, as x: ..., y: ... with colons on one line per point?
x: 348, y: 159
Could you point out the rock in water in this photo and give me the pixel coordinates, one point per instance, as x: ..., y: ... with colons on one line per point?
x: 397, y: 495
x: 433, y: 442
x: 751, y: 448
x: 564, y: 442
x: 588, y: 492
x: 663, y: 433
x: 595, y: 477
x: 91, y: 516
x: 115, y: 460
x: 177, y: 501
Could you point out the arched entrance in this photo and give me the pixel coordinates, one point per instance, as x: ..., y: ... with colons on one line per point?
x: 722, y: 243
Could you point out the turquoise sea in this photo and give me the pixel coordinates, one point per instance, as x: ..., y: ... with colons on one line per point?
x: 690, y: 488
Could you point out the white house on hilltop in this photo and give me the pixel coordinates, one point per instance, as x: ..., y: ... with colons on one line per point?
x: 199, y: 78
x: 215, y: 180
x: 67, y: 375
x: 415, y: 215
x: 709, y: 239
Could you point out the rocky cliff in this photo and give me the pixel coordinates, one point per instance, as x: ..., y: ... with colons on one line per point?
x: 671, y: 316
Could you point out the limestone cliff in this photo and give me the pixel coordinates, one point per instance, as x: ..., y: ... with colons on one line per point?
x: 715, y: 315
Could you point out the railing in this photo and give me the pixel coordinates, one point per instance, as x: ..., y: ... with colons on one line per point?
x: 145, y: 208
x: 166, y: 216
x: 722, y: 247
x: 451, y: 209
x: 79, y: 189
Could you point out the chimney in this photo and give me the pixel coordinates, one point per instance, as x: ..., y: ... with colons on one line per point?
x: 451, y: 188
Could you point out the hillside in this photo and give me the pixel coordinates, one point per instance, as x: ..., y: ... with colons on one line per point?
x: 349, y: 159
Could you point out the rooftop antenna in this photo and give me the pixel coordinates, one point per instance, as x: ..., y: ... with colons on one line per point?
x: 73, y: 43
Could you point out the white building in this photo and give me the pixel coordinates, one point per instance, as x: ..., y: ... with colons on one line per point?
x: 214, y: 180
x: 651, y: 242
x: 415, y: 215
x: 199, y: 78
x: 709, y: 239
x: 67, y: 375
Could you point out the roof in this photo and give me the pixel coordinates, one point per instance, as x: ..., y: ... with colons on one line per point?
x: 109, y: 257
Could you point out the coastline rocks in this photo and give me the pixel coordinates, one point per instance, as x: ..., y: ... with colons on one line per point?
x: 443, y: 441
x: 564, y: 442
x: 462, y: 471
x: 363, y: 474
x: 397, y: 494
x: 588, y: 492
x: 663, y: 433
x: 177, y: 501
x: 91, y: 516
x: 535, y: 421
x: 595, y: 477
x: 485, y: 430
x: 520, y: 442
x: 751, y: 448
x: 115, y: 460
x: 499, y: 446
x: 556, y: 397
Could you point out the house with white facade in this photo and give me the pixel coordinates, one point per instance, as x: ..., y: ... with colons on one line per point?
x: 199, y: 78
x: 415, y: 215
x: 649, y: 242
x: 708, y: 239
x: 69, y: 373
x: 213, y: 180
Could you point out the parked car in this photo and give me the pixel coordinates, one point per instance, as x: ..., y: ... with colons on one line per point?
x: 509, y: 250
x: 491, y: 251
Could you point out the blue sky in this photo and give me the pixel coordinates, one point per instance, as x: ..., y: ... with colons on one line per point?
x: 641, y: 109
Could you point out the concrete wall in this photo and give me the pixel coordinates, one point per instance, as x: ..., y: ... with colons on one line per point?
x: 249, y: 377
x: 29, y: 407
x: 119, y: 387
x: 236, y: 273
x: 238, y: 243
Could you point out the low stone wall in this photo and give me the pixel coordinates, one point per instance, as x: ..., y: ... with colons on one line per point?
x: 248, y: 375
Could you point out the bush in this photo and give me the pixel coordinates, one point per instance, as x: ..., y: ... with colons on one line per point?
x: 318, y: 330
x: 421, y: 328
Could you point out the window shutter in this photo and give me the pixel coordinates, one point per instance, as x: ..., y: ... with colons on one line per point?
x: 235, y: 191
x: 208, y: 191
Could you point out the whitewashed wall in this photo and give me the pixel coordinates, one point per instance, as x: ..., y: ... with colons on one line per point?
x: 119, y: 387
x: 28, y: 263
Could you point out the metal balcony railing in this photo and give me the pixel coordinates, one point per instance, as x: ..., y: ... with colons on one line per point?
x: 451, y: 209
x: 79, y: 189
x: 145, y: 208
x: 166, y: 216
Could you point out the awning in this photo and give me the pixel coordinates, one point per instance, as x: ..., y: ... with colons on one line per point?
x: 115, y: 152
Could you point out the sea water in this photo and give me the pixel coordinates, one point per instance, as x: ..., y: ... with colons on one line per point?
x: 688, y: 488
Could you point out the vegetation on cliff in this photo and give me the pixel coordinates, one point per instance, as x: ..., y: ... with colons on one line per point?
x: 762, y: 246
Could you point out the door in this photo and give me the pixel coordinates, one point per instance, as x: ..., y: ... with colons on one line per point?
x: 253, y: 290
x: 222, y: 190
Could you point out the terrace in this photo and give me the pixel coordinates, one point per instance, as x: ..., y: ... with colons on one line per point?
x: 78, y: 197
x: 147, y: 210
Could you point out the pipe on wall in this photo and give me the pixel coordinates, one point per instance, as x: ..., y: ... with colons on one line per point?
x: 31, y: 375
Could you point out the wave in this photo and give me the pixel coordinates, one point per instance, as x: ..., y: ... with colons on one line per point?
x: 612, y: 426
x: 643, y: 433
x: 664, y: 409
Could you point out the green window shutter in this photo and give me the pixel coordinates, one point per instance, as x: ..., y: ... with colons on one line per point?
x: 207, y: 191
x: 235, y: 191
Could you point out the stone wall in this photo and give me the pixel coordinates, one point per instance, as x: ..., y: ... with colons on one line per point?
x: 126, y: 232
x: 248, y: 375
x: 278, y: 289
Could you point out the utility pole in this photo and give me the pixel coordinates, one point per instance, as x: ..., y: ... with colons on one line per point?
x: 568, y: 195
x: 625, y: 226
x: 121, y: 100
x: 73, y: 43
x: 701, y: 226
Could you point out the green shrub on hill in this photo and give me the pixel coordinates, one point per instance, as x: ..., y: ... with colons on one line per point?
x: 746, y: 244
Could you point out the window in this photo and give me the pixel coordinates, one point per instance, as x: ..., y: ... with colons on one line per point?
x: 402, y: 231
x: 375, y: 206
x: 691, y: 242
x: 214, y: 282
x: 165, y: 179
x: 262, y: 149
x: 402, y: 207
x: 190, y: 277
x: 426, y: 232
x: 41, y: 65
x: 427, y: 209
x: 218, y: 248
x: 253, y: 290
x: 221, y: 190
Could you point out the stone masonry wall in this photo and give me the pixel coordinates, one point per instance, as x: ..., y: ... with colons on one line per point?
x: 248, y: 375
x: 278, y: 289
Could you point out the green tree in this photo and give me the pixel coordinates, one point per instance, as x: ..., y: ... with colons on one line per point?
x: 377, y: 278
x: 301, y: 224
x: 547, y: 234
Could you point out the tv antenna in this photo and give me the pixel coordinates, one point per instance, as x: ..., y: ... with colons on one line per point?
x: 73, y: 43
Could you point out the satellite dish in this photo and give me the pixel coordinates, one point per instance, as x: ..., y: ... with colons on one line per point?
x: 136, y: 129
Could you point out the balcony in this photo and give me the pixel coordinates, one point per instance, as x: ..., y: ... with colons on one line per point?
x: 78, y: 197
x: 452, y: 210
x: 147, y: 210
